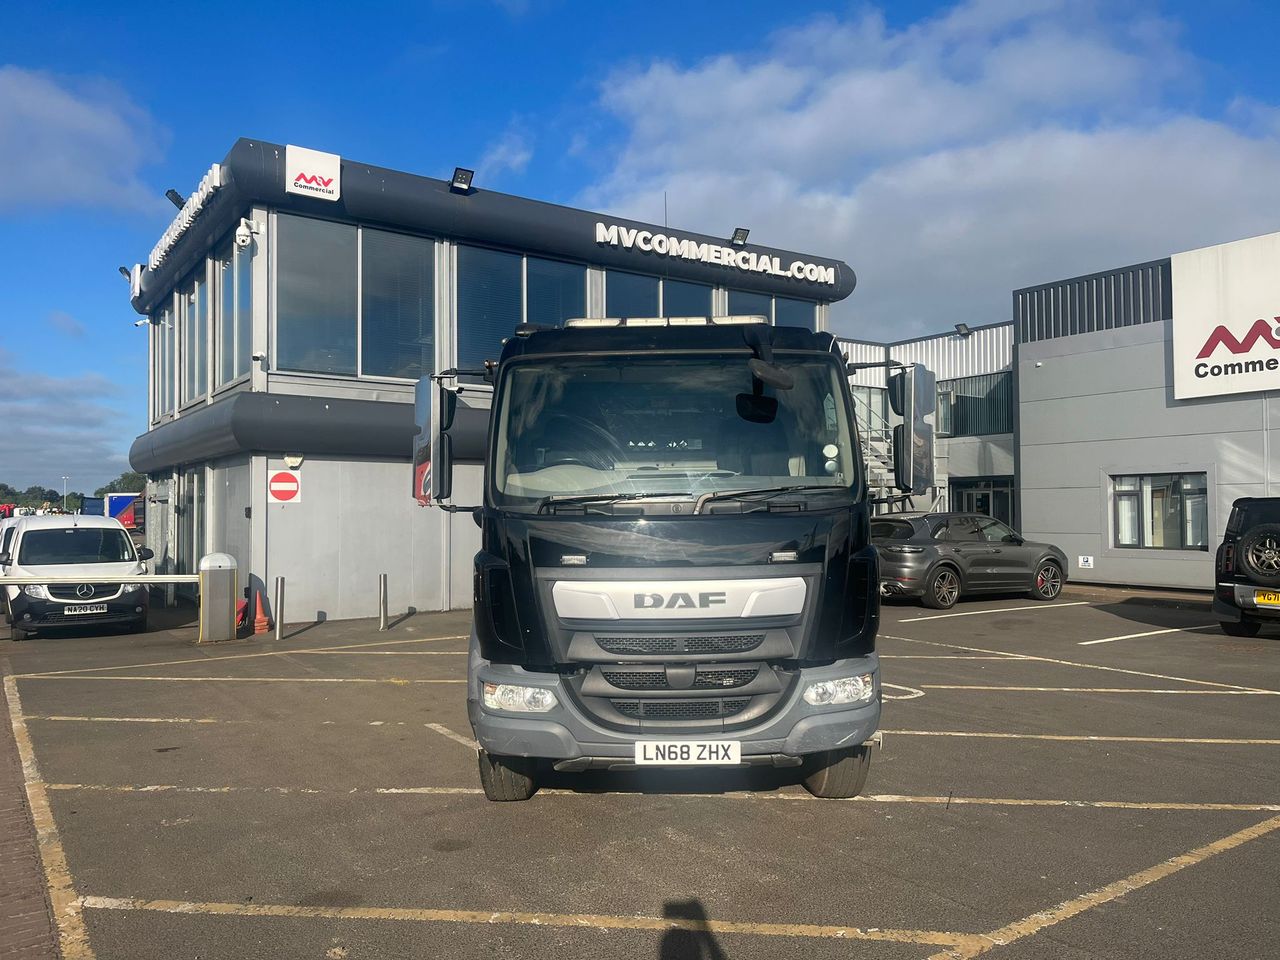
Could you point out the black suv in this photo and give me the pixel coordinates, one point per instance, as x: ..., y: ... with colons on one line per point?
x: 939, y: 556
x: 1248, y: 568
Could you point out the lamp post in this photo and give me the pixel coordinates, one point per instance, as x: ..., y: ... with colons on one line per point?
x: 64, y: 493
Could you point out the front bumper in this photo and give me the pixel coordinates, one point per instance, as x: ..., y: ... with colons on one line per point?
x: 30, y: 613
x: 1241, y: 604
x: 567, y: 735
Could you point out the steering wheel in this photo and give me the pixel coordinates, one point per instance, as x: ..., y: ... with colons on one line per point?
x: 604, y: 459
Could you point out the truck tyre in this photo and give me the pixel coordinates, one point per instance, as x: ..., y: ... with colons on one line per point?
x: 1259, y: 554
x: 837, y: 774
x: 1048, y: 582
x: 943, y: 589
x: 507, y: 778
x: 1240, y: 628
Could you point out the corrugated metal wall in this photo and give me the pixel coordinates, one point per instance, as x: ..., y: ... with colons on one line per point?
x: 1102, y: 301
x: 858, y: 351
x: 950, y: 356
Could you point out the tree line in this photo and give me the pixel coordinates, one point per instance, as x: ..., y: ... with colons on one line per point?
x: 37, y: 496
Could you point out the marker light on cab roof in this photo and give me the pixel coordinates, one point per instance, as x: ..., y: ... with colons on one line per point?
x: 665, y: 321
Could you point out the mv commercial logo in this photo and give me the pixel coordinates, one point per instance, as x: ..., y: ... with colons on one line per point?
x: 312, y: 173
x: 680, y: 601
x: 1263, y: 331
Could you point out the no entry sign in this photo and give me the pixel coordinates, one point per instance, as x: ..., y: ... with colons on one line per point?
x: 285, y: 487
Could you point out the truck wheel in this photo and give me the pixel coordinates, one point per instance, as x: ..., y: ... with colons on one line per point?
x: 943, y: 589
x: 507, y: 778
x: 837, y: 774
x: 1240, y: 628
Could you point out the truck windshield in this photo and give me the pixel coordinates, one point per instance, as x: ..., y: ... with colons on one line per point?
x: 74, y: 545
x: 668, y: 426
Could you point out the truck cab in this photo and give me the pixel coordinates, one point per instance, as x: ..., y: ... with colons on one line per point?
x: 676, y: 565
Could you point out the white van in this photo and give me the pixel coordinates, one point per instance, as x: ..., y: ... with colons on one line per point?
x: 96, y: 548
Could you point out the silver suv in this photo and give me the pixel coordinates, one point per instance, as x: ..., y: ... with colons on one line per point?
x: 1247, y: 569
x: 939, y: 557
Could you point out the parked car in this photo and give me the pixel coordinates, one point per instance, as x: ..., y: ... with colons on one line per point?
x: 96, y: 548
x: 1247, y: 568
x: 940, y: 557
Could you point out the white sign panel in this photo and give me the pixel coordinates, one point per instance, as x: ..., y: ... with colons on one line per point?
x: 284, y: 486
x: 1086, y: 563
x: 1226, y: 318
x: 312, y: 173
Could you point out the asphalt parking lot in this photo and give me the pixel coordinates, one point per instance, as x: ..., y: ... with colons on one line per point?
x: 1092, y: 778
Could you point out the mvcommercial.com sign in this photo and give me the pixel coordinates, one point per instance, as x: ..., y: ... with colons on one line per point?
x: 312, y: 173
x: 646, y: 241
x: 1226, y: 319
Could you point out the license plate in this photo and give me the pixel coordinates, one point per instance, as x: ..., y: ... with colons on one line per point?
x: 76, y: 608
x: 688, y: 753
x: 1267, y: 598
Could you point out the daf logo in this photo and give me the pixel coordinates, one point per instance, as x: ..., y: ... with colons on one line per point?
x: 678, y: 601
x: 84, y: 591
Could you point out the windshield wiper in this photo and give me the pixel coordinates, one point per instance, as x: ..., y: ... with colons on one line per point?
x: 763, y: 493
x: 589, y: 498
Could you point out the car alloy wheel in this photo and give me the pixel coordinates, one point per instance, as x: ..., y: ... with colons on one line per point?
x: 946, y: 587
x: 1049, y: 581
x: 1264, y: 555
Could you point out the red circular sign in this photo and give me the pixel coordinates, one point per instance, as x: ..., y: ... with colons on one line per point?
x: 283, y: 487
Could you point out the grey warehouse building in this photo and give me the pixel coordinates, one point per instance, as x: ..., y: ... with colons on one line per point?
x: 295, y: 301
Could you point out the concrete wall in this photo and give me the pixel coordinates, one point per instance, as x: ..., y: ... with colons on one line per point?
x: 230, y: 494
x: 1096, y: 405
x: 356, y: 520
x: 990, y: 456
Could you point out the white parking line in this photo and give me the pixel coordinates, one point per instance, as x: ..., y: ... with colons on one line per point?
x: 444, y: 731
x: 911, y: 692
x: 979, y: 613
x: 1149, y: 633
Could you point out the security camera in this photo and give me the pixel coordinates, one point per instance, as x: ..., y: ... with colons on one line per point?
x: 244, y: 234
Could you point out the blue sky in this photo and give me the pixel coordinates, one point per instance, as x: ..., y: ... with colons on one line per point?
x: 950, y: 152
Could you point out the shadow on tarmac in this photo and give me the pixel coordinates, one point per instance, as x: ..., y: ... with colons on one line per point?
x: 692, y: 942
x: 670, y: 781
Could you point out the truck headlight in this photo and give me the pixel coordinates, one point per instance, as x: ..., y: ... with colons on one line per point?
x: 130, y: 587
x: 859, y: 689
x: 518, y: 698
x: 37, y: 591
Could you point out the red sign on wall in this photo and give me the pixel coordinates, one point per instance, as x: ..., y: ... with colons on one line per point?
x: 285, y: 487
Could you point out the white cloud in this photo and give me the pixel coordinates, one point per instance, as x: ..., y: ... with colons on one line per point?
x: 997, y: 145
x: 65, y: 324
x: 59, y: 425
x: 510, y: 153
x: 66, y: 143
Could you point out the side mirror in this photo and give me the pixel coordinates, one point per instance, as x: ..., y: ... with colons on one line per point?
x: 146, y: 553
x: 1012, y: 538
x: 757, y: 408
x: 771, y: 373
x: 5, y: 559
x: 442, y: 469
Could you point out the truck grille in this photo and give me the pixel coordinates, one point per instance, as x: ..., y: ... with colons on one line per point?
x: 723, y: 643
x: 637, y: 679
x: 96, y: 592
x: 680, y: 709
x: 628, y: 678
x: 725, y: 678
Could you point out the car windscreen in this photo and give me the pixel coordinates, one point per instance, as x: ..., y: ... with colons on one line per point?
x: 74, y: 545
x: 891, y: 530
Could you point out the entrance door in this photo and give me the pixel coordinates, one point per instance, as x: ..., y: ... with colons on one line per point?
x: 975, y: 501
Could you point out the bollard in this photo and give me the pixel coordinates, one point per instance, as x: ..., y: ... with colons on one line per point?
x: 277, y: 608
x: 382, y: 601
x: 217, y: 598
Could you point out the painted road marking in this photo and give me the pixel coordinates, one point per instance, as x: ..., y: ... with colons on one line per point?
x: 1076, y: 663
x: 385, y: 653
x: 237, y: 656
x: 1082, y: 738
x: 1149, y: 633
x: 444, y: 731
x: 940, y: 656
x: 1202, y: 693
x: 1033, y: 924
x: 798, y: 795
x: 979, y: 613
x: 581, y: 920
x: 72, y: 938
x: 56, y: 717
x: 394, y: 680
x: 911, y: 694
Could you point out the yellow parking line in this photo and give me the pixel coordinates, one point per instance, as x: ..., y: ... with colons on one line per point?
x: 798, y: 796
x: 580, y: 920
x: 1076, y: 663
x: 1081, y: 738
x: 1203, y: 693
x: 237, y: 656
x: 72, y: 938
x: 1033, y: 924
x: 394, y: 680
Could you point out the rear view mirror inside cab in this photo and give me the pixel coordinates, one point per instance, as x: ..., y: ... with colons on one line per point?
x: 757, y: 408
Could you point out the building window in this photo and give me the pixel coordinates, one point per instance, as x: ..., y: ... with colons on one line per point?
x: 233, y: 270
x: 681, y: 299
x: 163, y: 373
x: 489, y: 302
x: 194, y: 303
x: 976, y: 406
x: 744, y: 304
x: 795, y: 313
x: 1161, y: 511
x: 315, y: 295
x: 397, y: 319
x: 555, y: 292
x: 630, y: 295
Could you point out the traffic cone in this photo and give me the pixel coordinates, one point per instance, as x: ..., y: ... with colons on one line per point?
x: 260, y: 622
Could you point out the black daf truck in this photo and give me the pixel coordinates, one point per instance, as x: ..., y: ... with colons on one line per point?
x: 676, y: 567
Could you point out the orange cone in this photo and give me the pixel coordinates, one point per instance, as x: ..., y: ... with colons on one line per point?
x: 260, y: 622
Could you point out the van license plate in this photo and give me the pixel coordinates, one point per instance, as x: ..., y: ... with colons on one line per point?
x: 76, y: 608
x: 1267, y: 598
x: 688, y: 753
